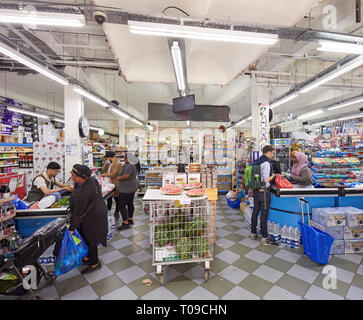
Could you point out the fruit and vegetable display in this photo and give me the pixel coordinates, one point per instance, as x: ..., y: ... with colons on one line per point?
x: 196, y: 192
x: 195, y: 227
x: 184, y: 248
x: 64, y: 202
x: 189, y: 186
x: 171, y: 190
x: 200, y: 246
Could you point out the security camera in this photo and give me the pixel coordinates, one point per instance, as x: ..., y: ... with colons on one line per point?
x: 100, y: 17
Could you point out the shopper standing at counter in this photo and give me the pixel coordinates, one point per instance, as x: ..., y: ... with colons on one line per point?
x: 128, y: 185
x: 300, y: 171
x: 262, y: 197
x: 89, y: 214
x: 111, y: 169
x: 44, y: 184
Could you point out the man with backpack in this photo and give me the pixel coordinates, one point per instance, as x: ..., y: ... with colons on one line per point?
x: 258, y: 177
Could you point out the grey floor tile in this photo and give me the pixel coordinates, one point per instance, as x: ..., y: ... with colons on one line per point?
x: 256, y: 285
x: 355, y: 293
x: 121, y: 243
x: 316, y: 293
x: 243, y: 232
x: 246, y: 264
x: 288, y: 256
x: 181, y: 285
x: 129, y: 232
x: 239, y: 249
x: 239, y: 224
x: 218, y: 286
x: 161, y: 294
x: 303, y: 273
x: 228, y: 256
x: 238, y: 293
x: 131, y: 274
x: 139, y: 257
x: 345, y: 264
x: 107, y: 285
x: 48, y: 293
x: 294, y: 285
x: 68, y: 275
x: 86, y: 293
x: 224, y: 243
x: 128, y: 250
x: 69, y: 285
x: 95, y: 276
x: 268, y: 274
x: 257, y: 256
x: 277, y: 293
x: 199, y: 293
x: 356, y: 258
x: 235, y: 217
x: 234, y: 237
x: 344, y: 275
x: 358, y: 281
x: 220, y: 224
x: 233, y: 274
x: 360, y: 270
x: 123, y: 293
x: 250, y: 243
x: 120, y: 265
x: 222, y: 233
x: 279, y: 264
x: 111, y: 256
x: 335, y: 286
x: 196, y: 274
x: 144, y: 243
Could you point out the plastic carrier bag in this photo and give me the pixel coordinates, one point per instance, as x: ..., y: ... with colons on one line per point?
x: 282, y: 183
x: 69, y: 256
x: 19, y: 204
x: 81, y: 244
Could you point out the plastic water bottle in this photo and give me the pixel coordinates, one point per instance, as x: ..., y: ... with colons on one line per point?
x: 250, y: 199
x: 297, y: 237
x: 284, y: 234
x: 290, y: 236
x: 276, y: 232
x: 269, y: 227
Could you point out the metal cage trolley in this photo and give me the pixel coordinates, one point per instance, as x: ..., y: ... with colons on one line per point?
x: 181, y: 233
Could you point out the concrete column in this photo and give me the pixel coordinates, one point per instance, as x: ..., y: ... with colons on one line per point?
x: 260, y: 116
x: 73, y: 110
x: 121, y: 131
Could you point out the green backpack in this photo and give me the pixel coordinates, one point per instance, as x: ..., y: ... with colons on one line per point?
x: 253, y: 177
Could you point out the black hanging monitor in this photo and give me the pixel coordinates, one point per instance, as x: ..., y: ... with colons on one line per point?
x: 183, y: 104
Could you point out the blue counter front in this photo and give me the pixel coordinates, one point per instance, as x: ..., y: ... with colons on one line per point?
x: 286, y: 204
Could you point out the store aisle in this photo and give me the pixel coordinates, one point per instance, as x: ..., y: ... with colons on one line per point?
x: 242, y: 269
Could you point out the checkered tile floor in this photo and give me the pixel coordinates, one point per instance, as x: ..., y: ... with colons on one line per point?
x: 241, y: 269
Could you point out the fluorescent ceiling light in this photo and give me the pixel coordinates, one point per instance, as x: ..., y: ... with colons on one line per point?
x: 346, y: 103
x: 187, y: 32
x: 151, y: 128
x: 334, y: 74
x: 91, y: 96
x: 188, y: 123
x: 240, y: 122
x: 101, y: 132
x: 59, y: 120
x: 136, y: 121
x: 178, y: 65
x: 310, y: 114
x: 325, y: 122
x: 283, y: 100
x: 15, y: 55
x: 249, y: 118
x: 351, y: 117
x: 332, y: 46
x: 94, y: 128
x: 28, y: 112
x: 41, y: 18
x: 120, y: 113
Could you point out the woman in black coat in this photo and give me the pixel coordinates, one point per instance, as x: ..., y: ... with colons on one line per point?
x: 89, y: 214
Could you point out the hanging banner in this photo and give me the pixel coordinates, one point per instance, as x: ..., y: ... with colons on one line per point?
x: 264, y: 137
x: 290, y: 126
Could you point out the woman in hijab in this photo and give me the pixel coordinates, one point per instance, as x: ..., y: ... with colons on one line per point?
x: 89, y: 214
x: 300, y: 171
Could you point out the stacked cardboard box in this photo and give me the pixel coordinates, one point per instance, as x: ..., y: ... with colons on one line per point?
x: 344, y: 224
x: 208, y: 176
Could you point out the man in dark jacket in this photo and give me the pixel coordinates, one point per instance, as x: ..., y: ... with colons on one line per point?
x: 89, y: 214
x: 262, y: 197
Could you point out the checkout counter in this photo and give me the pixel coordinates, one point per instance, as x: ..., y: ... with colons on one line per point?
x: 286, y: 204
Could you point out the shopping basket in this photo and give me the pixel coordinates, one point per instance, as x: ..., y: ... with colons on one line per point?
x: 234, y: 203
x: 316, y: 243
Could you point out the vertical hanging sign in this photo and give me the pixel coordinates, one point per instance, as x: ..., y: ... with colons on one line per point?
x: 264, y: 138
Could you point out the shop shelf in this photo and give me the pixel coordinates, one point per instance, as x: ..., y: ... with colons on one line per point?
x: 9, y: 165
x: 7, y: 218
x: 30, y: 145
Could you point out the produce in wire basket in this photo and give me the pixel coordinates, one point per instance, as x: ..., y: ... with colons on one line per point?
x: 195, y: 227
x: 184, y: 248
x: 200, y: 246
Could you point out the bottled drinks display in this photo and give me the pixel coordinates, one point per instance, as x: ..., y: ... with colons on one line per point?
x: 7, y: 212
x: 25, y: 161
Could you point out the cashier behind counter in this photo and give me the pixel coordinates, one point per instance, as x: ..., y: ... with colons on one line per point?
x: 300, y: 172
x: 44, y: 184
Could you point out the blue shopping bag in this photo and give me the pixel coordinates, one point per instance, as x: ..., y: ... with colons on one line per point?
x: 69, y: 256
x: 81, y: 244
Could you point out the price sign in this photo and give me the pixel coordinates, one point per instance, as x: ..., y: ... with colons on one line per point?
x: 212, y: 194
x: 185, y: 201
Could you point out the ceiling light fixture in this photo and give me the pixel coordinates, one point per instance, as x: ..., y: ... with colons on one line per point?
x: 28, y: 112
x: 325, y: 122
x: 334, y: 74
x: 58, y: 120
x: 188, y: 32
x: 41, y: 18
x: 332, y: 46
x: 351, y: 117
x: 15, y: 55
x: 151, y: 128
x: 188, y: 123
x: 101, y: 132
x: 283, y: 100
x: 345, y: 103
x: 310, y: 114
x: 90, y: 96
x: 178, y: 65
x: 94, y: 128
x: 240, y: 122
x: 120, y: 113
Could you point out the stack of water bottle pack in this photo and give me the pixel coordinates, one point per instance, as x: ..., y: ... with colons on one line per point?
x: 287, y: 235
x: 344, y: 224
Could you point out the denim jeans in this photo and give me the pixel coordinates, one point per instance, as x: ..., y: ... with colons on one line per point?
x: 259, y: 205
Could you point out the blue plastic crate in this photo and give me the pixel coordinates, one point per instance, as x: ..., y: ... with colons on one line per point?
x: 234, y: 204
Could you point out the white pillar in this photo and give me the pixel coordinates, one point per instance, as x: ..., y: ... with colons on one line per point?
x: 260, y: 118
x: 121, y: 131
x: 73, y: 110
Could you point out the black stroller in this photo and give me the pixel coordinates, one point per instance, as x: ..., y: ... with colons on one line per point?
x: 30, y: 252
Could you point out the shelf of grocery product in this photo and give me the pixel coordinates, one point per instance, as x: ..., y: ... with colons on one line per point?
x: 7, y: 218
x: 9, y: 165
x: 24, y: 145
x: 2, y: 158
